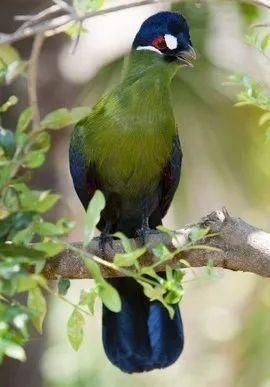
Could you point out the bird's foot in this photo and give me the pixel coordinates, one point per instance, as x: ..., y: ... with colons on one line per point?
x: 105, y: 241
x: 143, y: 234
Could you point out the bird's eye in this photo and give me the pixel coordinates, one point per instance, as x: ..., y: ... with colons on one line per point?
x: 159, y: 43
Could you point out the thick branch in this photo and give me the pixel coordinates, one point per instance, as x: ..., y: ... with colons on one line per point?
x: 241, y: 247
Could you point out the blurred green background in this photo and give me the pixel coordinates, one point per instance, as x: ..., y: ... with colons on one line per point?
x: 226, y: 163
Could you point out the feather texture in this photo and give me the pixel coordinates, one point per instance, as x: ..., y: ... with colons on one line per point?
x: 142, y: 336
x: 128, y: 147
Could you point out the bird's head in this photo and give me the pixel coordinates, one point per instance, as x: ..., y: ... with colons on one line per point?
x: 166, y: 33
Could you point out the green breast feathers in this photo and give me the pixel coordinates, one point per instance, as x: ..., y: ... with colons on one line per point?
x: 128, y: 136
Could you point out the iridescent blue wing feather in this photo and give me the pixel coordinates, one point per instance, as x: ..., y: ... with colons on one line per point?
x: 168, y: 184
x: 84, y: 175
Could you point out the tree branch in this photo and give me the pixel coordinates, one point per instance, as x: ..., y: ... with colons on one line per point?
x: 53, y: 25
x: 32, y: 77
x: 261, y: 3
x: 242, y: 247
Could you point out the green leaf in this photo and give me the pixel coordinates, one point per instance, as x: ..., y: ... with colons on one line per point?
x: 24, y: 119
x: 93, y: 269
x: 37, y: 303
x: 46, y: 201
x: 265, y: 43
x: 74, y: 29
x: 38, y: 201
x: 42, y: 142
x: 107, y: 293
x: 89, y: 298
x: 25, y: 282
x: 161, y: 252
x: 96, y: 205
x: 125, y: 241
x: 14, y: 70
x: 210, y: 268
x: 34, y: 159
x: 63, y: 117
x: 12, y: 350
x: 87, y: 5
x: 15, y: 222
x: 21, y: 138
x: 75, y: 329
x: 4, y: 212
x: 149, y: 271
x: 45, y: 228
x: 78, y: 113
x: 166, y: 230
x: 20, y: 322
x: 169, y: 273
x: 129, y: 259
x: 250, y: 12
x: 179, y: 273
x: 63, y: 286
x: 50, y: 248
x: 7, y: 142
x: 62, y: 227
x: 174, y: 297
x: 156, y: 293
x: 198, y: 233
x: 57, y: 119
x: 153, y: 292
x: 175, y: 291
x: 5, y: 174
x: 12, y: 250
x: 10, y: 102
x: 109, y: 296
x: 23, y: 236
x: 170, y: 310
x: 10, y: 63
x: 9, y: 271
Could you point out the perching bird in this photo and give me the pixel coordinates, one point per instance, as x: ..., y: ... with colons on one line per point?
x: 128, y: 147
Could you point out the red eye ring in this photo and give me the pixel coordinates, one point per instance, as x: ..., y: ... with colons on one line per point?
x: 159, y: 43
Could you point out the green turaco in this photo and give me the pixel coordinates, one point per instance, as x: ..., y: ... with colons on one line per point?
x: 128, y: 147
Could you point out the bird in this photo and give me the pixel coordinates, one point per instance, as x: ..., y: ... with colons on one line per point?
x: 128, y: 147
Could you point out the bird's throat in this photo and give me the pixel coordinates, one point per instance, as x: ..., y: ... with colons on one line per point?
x: 149, y: 63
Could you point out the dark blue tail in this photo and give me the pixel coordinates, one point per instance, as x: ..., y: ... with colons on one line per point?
x: 142, y: 336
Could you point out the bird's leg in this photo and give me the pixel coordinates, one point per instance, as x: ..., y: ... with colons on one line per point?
x: 144, y: 231
x: 105, y: 239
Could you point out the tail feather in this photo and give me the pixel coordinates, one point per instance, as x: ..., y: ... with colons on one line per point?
x: 142, y: 336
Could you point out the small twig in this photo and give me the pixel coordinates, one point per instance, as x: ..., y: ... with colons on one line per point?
x: 261, y: 3
x: 65, y: 6
x: 33, y: 19
x: 50, y: 25
x: 260, y: 25
x: 77, y: 39
x: 32, y: 77
x: 22, y: 17
x: 66, y: 300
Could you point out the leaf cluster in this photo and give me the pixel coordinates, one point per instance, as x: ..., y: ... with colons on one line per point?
x: 27, y: 238
x: 253, y: 93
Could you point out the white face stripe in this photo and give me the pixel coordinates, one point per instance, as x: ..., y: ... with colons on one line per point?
x: 171, y: 41
x: 149, y: 48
